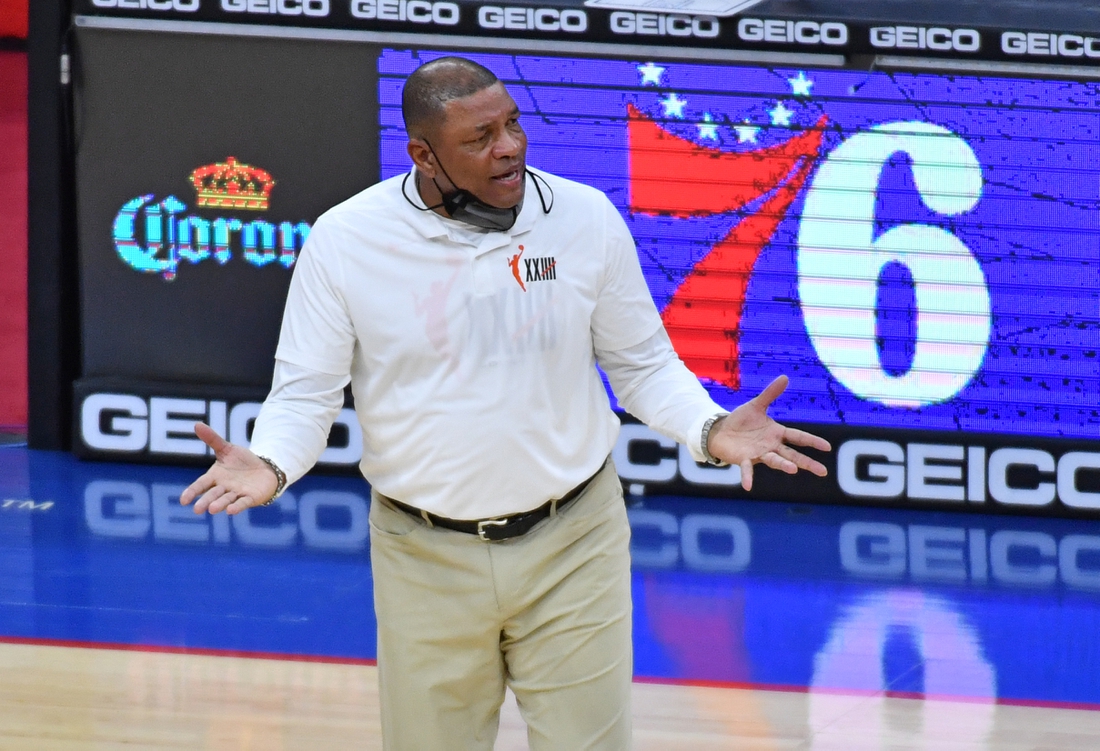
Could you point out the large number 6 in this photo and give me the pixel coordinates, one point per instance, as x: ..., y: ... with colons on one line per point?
x: 840, y: 261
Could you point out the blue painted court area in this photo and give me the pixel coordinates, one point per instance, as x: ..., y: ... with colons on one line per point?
x: 772, y: 595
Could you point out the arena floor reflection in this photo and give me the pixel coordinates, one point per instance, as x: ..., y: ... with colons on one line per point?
x: 850, y: 606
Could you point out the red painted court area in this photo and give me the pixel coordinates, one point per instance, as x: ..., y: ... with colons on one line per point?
x: 13, y: 240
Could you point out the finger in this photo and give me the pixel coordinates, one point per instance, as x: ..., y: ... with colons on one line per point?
x: 771, y: 392
x: 242, y: 503
x: 746, y: 474
x: 195, y: 489
x: 209, y: 497
x: 210, y: 437
x: 222, y: 502
x: 802, y: 461
x: 802, y: 438
x: 775, y: 461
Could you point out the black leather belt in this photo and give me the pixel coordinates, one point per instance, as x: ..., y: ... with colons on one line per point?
x: 502, y: 527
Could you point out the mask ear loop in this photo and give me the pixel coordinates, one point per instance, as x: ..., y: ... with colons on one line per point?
x: 441, y: 204
x: 535, y: 179
x: 445, y: 173
x: 410, y: 201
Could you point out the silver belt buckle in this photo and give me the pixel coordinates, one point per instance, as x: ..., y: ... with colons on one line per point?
x: 483, y: 524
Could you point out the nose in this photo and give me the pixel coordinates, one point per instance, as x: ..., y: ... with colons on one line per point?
x: 509, y: 144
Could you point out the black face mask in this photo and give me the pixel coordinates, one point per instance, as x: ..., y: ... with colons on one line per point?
x: 463, y: 206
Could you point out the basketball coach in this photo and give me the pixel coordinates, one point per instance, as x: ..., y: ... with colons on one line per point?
x: 468, y: 303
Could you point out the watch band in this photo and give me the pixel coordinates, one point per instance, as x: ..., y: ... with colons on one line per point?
x: 704, y: 439
x: 280, y: 478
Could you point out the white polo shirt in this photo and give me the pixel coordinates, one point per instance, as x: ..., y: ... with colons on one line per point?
x: 472, y: 355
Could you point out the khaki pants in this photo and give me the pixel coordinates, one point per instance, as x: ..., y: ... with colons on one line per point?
x: 548, y: 614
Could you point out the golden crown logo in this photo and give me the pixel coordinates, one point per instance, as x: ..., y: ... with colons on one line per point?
x: 232, y: 185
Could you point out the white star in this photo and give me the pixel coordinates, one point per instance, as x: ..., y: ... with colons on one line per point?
x: 746, y: 133
x: 800, y: 86
x: 651, y: 74
x: 707, y: 128
x: 781, y: 116
x: 674, y: 105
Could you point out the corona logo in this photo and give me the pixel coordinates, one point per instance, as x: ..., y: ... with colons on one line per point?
x: 154, y: 237
x: 232, y: 185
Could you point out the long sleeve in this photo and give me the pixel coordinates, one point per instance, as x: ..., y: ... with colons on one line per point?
x: 313, y: 359
x: 293, y: 425
x: 654, y: 385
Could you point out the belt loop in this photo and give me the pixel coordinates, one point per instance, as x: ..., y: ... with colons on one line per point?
x: 553, y: 508
x: 424, y: 515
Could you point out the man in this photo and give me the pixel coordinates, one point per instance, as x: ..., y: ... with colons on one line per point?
x: 468, y: 303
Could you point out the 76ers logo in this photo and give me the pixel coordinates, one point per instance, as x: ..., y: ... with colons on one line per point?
x: 841, y: 250
x: 675, y: 177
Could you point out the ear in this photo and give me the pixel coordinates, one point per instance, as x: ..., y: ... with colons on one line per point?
x: 422, y: 157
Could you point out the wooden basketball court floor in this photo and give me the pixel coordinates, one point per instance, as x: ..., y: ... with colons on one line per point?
x: 126, y: 622
x: 57, y: 697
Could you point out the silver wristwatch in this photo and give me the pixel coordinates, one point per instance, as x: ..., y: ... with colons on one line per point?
x: 704, y: 439
x: 280, y: 479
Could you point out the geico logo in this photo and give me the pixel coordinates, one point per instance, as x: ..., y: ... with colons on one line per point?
x: 127, y: 424
x: 281, y: 7
x: 792, y: 32
x: 957, y: 554
x: 539, y: 19
x: 632, y: 438
x: 126, y: 509
x: 659, y: 539
x: 186, y: 6
x: 1039, y: 43
x: 416, y: 11
x: 922, y: 38
x: 935, y: 472
x: 656, y: 24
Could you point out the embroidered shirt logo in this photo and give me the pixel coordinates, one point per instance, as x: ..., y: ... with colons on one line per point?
x: 534, y: 269
x: 541, y: 269
x: 514, y: 263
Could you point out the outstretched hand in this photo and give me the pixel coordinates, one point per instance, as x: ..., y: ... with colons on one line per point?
x: 747, y: 436
x: 238, y: 480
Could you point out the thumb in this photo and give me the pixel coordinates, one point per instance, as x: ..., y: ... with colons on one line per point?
x: 210, y: 437
x: 771, y: 392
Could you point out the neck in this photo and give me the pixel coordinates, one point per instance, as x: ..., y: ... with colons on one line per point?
x: 429, y: 194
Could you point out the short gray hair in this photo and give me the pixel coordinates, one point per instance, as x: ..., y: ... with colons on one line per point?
x: 433, y: 84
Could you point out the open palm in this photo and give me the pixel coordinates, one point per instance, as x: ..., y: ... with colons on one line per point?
x: 747, y: 436
x: 238, y: 480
